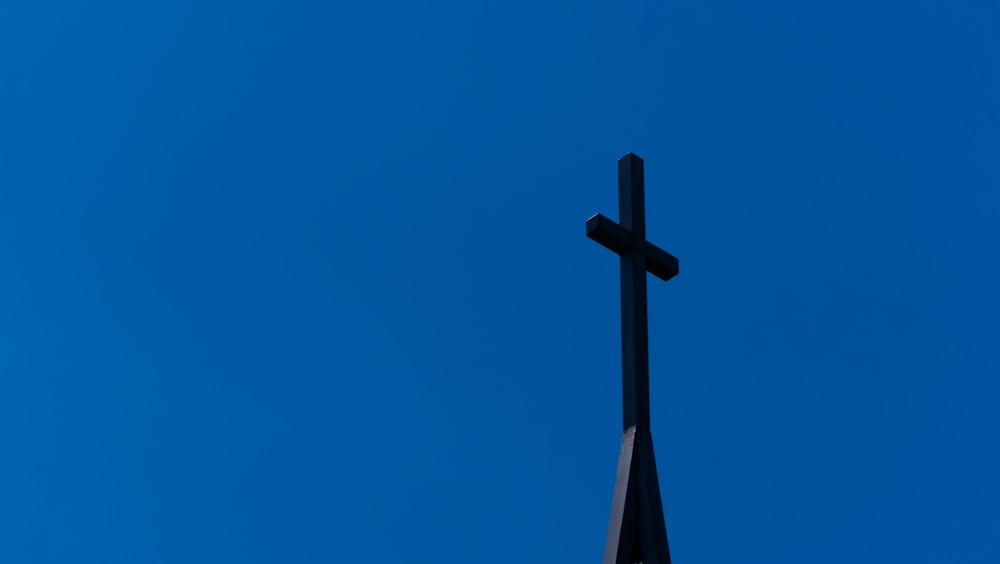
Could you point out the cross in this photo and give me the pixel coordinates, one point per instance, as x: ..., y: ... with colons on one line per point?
x: 637, y: 256
x: 636, y: 532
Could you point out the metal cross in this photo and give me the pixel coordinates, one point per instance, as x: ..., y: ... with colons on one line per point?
x: 636, y: 532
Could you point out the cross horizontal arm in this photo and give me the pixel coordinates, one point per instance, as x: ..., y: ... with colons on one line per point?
x: 659, y: 263
x: 609, y: 234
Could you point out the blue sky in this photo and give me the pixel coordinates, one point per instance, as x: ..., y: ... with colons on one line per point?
x: 308, y: 282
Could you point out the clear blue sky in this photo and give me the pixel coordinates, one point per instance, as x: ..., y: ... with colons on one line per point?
x: 308, y: 282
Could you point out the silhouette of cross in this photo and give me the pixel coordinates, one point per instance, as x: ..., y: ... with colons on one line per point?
x: 638, y: 256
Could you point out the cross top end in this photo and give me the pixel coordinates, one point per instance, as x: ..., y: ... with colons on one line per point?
x: 628, y: 238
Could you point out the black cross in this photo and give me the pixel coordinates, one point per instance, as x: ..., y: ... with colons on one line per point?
x: 637, y: 532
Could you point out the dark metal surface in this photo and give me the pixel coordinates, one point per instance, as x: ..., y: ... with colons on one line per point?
x: 636, y: 532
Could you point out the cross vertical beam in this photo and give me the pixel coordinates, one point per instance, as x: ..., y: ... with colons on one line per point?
x: 636, y: 531
x: 635, y: 327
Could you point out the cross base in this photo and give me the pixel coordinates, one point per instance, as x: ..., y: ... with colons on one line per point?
x: 637, y: 532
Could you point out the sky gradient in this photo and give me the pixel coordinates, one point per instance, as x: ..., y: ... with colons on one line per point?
x: 308, y: 282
